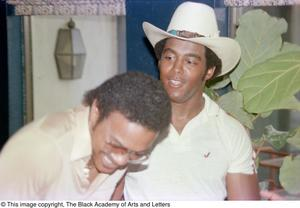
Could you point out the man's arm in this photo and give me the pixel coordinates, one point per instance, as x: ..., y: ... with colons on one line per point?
x: 118, y: 193
x: 242, y: 186
x: 28, y: 166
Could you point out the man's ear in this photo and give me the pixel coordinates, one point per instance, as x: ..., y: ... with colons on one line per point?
x: 94, y: 114
x: 210, y: 72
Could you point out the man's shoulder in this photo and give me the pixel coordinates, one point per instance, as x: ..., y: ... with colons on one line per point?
x: 222, y: 117
x: 47, y: 128
x: 230, y: 131
x: 61, y: 123
x: 57, y: 124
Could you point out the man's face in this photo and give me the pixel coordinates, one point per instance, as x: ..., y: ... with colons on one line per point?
x: 183, y: 70
x: 116, y: 140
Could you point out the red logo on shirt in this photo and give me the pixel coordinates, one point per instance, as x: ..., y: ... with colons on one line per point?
x: 206, y: 155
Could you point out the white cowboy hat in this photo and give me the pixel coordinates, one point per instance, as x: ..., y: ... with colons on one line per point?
x: 198, y: 19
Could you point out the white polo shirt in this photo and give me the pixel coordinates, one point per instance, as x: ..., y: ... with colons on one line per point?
x: 46, y: 160
x: 193, y: 165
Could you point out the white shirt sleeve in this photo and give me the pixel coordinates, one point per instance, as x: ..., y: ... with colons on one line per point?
x: 24, y: 162
x: 238, y: 145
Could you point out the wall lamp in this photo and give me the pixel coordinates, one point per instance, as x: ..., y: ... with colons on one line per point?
x: 70, y: 52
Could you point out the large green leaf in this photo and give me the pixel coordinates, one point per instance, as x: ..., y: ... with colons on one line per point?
x: 289, y: 174
x: 295, y: 139
x: 271, y: 85
x: 259, y: 36
x: 232, y: 103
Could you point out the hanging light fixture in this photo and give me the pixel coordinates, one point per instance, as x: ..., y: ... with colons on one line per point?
x: 70, y: 52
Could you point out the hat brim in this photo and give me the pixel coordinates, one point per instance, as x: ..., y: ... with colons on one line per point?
x: 227, y: 49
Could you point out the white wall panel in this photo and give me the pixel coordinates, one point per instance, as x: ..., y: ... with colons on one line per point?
x: 99, y: 34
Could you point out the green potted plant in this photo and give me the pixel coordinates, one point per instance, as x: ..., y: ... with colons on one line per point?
x: 265, y: 80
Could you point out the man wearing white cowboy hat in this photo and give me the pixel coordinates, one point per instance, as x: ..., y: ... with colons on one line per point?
x: 207, y: 154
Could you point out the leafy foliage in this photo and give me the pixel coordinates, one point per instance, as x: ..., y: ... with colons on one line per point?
x: 232, y: 103
x: 289, y: 174
x: 295, y: 138
x: 271, y: 85
x: 276, y: 138
x: 260, y: 38
x: 288, y: 47
x: 266, y: 79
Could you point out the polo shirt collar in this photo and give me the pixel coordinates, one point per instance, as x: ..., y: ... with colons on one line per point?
x: 210, y: 109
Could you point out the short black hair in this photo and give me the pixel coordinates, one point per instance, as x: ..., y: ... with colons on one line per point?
x: 212, y: 60
x: 139, y: 97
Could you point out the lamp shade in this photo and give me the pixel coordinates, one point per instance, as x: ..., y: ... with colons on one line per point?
x: 70, y: 52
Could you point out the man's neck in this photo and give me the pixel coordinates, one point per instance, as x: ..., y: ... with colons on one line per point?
x: 93, y: 172
x: 182, y: 113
